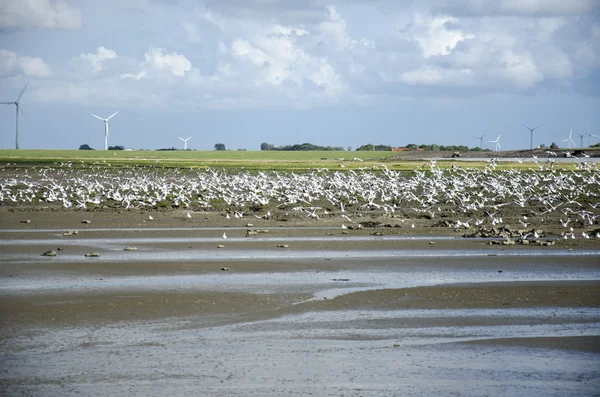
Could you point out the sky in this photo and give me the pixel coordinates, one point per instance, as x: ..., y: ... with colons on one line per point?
x: 332, y: 73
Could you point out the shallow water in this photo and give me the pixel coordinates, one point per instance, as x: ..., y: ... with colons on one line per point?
x: 335, y: 353
x: 331, y: 353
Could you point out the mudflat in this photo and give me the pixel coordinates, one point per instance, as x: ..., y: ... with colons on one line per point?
x: 380, y: 306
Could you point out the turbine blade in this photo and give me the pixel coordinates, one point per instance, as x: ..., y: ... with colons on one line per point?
x: 181, y: 138
x: 484, y: 134
x: 112, y: 115
x: 98, y: 117
x: 189, y: 137
x: 22, y: 112
x: 498, y: 143
x: 22, y: 91
x: 526, y: 127
x: 538, y: 126
x: 12, y: 103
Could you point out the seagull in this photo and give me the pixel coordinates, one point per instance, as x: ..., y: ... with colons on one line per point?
x: 224, y: 236
x: 150, y: 218
x: 189, y: 216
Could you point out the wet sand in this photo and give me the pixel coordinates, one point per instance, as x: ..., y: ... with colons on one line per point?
x: 413, y: 311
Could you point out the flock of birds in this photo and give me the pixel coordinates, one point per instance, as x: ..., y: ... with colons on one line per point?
x: 565, y: 199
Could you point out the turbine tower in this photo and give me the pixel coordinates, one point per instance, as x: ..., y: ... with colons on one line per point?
x: 19, y: 109
x: 531, y: 130
x: 581, y: 139
x: 569, y: 140
x: 106, y: 127
x: 185, y: 142
x: 480, y: 139
x: 497, y: 142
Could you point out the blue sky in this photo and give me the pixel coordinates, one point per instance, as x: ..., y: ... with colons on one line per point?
x: 339, y: 73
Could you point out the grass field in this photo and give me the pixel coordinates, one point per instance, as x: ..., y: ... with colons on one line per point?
x: 250, y: 160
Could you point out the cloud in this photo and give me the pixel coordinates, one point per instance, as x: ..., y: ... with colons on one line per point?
x: 437, y: 35
x: 12, y: 64
x: 39, y: 14
x: 95, y: 61
x: 515, y: 7
x: 34, y: 67
x: 175, y: 63
x: 157, y: 60
x: 275, y: 53
x: 279, y: 60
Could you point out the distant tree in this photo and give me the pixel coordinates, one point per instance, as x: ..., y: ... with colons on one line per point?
x: 412, y: 146
x: 85, y: 146
x: 119, y: 147
x: 220, y: 146
x: 266, y: 146
x: 349, y: 148
x: 365, y: 148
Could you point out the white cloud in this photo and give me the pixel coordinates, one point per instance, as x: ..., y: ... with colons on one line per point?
x: 334, y: 29
x: 39, y: 14
x: 8, y: 62
x: 157, y: 60
x: 34, y: 67
x: 434, y: 36
x: 11, y: 63
x: 95, y: 61
x: 329, y: 54
x: 175, y: 63
x: 516, y: 7
x: 279, y: 61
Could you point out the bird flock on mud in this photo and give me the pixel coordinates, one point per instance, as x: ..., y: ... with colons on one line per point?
x: 568, y: 199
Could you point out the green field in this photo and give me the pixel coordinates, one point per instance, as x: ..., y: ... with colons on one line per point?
x: 191, y: 159
x: 249, y: 160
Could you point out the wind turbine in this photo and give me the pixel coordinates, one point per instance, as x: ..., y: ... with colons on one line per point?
x: 497, y: 142
x: 106, y: 127
x: 480, y: 139
x: 185, y: 142
x: 590, y: 135
x: 531, y: 130
x: 581, y: 139
x: 19, y: 109
x: 569, y: 140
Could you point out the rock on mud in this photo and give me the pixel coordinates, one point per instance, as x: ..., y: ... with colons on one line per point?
x: 92, y: 255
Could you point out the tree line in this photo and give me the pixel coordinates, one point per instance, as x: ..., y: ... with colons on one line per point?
x: 300, y: 147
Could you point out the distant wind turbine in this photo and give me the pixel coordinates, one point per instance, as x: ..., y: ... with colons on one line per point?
x: 497, y: 142
x: 106, y: 127
x: 19, y: 109
x: 531, y: 130
x: 581, y: 139
x: 569, y: 140
x: 590, y: 135
x: 481, y: 144
x: 185, y: 142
